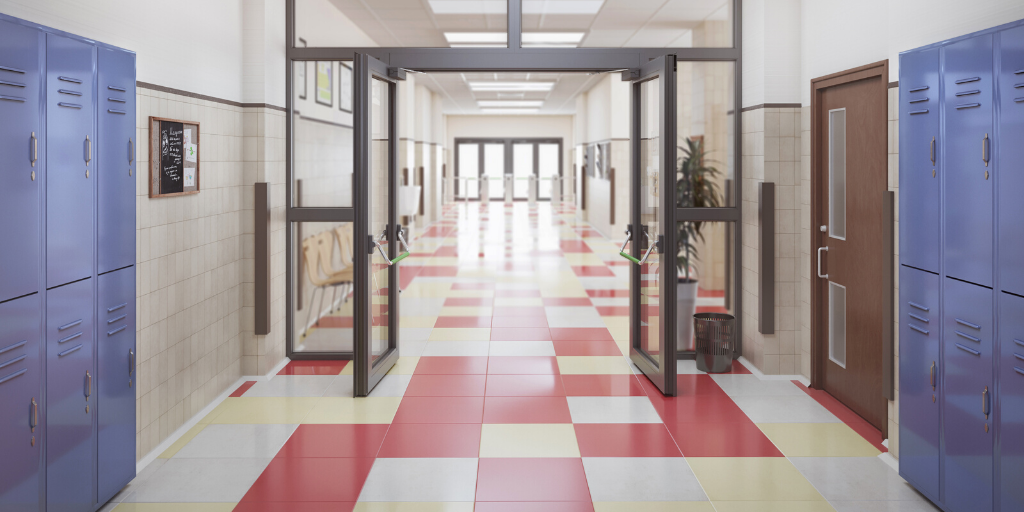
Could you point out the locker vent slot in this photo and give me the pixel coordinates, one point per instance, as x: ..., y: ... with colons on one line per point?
x: 968, y: 93
x: 918, y: 329
x: 69, y: 105
x: 12, y: 70
x: 967, y: 105
x: 968, y: 80
x: 967, y: 336
x: 968, y: 324
x: 115, y: 111
x: 12, y: 84
x: 118, y: 319
x: 919, y: 100
x: 968, y: 349
x: 1018, y: 370
x: 919, y: 89
x: 1015, y: 86
x: 12, y: 98
x: 116, y: 88
x: 1019, y: 342
x: 22, y: 343
x: 12, y: 361
x: 918, y: 306
x: 116, y: 100
x: 68, y: 326
x: 1018, y: 72
x: 918, y: 318
x: 69, y: 79
x: 117, y: 307
x: 13, y: 375
x: 69, y: 351
x: 1019, y: 100
x: 115, y: 331
x: 69, y: 338
x: 1018, y: 356
x: 915, y: 112
x: 72, y: 93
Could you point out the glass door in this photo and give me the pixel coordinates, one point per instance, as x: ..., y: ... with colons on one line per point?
x: 651, y: 233
x: 522, y: 169
x: 379, y: 241
x: 494, y: 169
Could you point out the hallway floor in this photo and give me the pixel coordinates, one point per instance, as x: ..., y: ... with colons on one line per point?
x: 512, y: 394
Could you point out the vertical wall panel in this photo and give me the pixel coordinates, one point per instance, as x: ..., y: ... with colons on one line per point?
x: 21, y: 432
x: 919, y: 159
x: 117, y: 149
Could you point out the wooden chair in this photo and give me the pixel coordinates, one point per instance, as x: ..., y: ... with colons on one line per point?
x: 313, y: 260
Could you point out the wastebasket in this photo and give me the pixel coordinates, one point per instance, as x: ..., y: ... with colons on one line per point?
x: 714, y: 333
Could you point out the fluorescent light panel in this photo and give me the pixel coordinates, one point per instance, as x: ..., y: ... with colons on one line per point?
x: 510, y: 110
x: 476, y: 37
x: 511, y: 86
x: 529, y: 6
x: 559, y: 38
x: 509, y: 103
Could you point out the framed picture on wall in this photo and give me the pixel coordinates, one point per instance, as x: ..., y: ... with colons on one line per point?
x: 300, y: 79
x: 324, y: 83
x: 345, y: 87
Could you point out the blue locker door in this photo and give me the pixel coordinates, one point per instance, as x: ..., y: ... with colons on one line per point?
x: 70, y: 159
x: 1011, y: 403
x: 21, y: 373
x: 1011, y: 151
x: 21, y: 162
x: 116, y: 374
x: 919, y: 159
x: 117, y: 151
x: 919, y: 379
x: 70, y: 398
x: 967, y: 391
x: 968, y: 166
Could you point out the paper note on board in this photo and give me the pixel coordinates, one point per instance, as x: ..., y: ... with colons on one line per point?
x: 190, y: 152
x: 188, y: 136
x: 190, y: 176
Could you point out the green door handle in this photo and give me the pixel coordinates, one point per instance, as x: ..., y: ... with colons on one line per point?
x: 400, y: 257
x: 629, y: 257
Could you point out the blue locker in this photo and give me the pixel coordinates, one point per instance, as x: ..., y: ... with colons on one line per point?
x: 70, y: 159
x: 116, y: 159
x: 967, y: 390
x: 968, y: 164
x: 919, y: 379
x: 1011, y: 403
x: 21, y: 399
x: 70, y: 398
x: 21, y: 162
x: 919, y: 159
x: 1011, y: 151
x: 116, y: 374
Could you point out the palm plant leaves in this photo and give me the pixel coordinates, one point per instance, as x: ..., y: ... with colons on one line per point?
x: 695, y: 188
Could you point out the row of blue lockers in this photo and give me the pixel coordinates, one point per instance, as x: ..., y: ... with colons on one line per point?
x: 67, y: 275
x: 961, y: 277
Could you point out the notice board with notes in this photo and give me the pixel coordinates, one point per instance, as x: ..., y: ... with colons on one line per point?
x: 173, y: 157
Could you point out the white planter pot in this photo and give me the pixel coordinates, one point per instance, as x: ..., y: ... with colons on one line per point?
x: 686, y: 306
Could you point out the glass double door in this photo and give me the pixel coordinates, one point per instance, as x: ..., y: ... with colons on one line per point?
x: 504, y: 169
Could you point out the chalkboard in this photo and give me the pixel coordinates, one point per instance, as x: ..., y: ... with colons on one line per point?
x: 174, y: 157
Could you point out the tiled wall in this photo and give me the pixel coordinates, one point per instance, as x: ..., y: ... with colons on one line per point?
x: 894, y: 184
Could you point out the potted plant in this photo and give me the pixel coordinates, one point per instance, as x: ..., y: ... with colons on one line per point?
x: 696, y: 187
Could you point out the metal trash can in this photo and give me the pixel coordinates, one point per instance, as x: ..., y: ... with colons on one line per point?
x: 714, y: 333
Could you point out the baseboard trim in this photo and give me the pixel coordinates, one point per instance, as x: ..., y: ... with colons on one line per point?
x: 753, y: 369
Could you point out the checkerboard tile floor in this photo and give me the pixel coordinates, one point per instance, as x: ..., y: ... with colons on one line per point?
x: 512, y: 394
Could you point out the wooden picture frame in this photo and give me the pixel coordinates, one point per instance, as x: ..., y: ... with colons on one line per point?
x: 164, y: 179
x: 344, y: 87
x: 325, y: 83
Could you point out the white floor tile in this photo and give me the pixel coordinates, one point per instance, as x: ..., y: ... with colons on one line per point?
x: 784, y: 409
x: 751, y: 385
x: 642, y: 479
x: 421, y: 480
x: 456, y: 348
x: 408, y: 348
x: 612, y: 409
x: 389, y: 386
x: 855, y: 479
x: 237, y: 441
x: 291, y: 385
x: 200, y: 481
x: 522, y: 348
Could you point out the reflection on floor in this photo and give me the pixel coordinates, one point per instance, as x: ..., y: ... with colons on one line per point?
x: 512, y: 394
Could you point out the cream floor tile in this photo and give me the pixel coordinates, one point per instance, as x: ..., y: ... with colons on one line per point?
x: 577, y: 259
x: 593, y: 365
x: 773, y: 506
x: 353, y: 410
x: 349, y: 368
x: 418, y: 321
x: 518, y: 302
x: 426, y: 289
x: 476, y: 272
x: 369, y: 506
x: 566, y: 291
x: 265, y: 410
x: 752, y: 479
x: 469, y: 294
x: 175, y: 507
x: 182, y: 441
x: 466, y: 311
x: 460, y: 334
x: 616, y: 322
x: 529, y: 440
x: 653, y: 506
x: 442, y: 261
x: 404, y: 366
x: 818, y: 440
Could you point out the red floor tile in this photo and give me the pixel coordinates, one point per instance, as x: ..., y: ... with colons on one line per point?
x: 587, y: 348
x: 574, y: 246
x: 314, y: 367
x: 593, y: 271
x: 446, y: 385
x: 520, y: 321
x: 469, y: 301
x: 439, y: 271
x: 407, y: 275
x: 456, y: 365
x: 697, y: 384
x: 608, y: 293
x: 409, y: 440
x: 535, y: 506
x: 242, y: 389
x: 472, y: 286
x: 524, y: 385
x: 295, y: 506
x: 625, y: 440
x: 340, y: 322
x: 567, y: 301
x: 520, y: 311
x: 613, y: 310
x: 361, y: 440
x: 698, y: 409
x: 580, y: 333
x: 517, y: 293
x: 310, y: 479
x: 447, y: 409
x: 462, y: 321
x: 737, y: 367
x: 701, y: 292
x: 520, y: 334
x: 726, y: 439
x: 526, y: 409
x: 602, y: 385
x: 522, y: 365
x: 532, y: 479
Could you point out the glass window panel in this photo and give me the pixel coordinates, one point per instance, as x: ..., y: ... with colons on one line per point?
x: 706, y: 257
x: 705, y: 130
x: 380, y: 161
x: 522, y: 169
x: 494, y: 169
x: 837, y: 323
x: 468, y: 168
x: 837, y: 174
x: 650, y: 202
x: 548, y: 159
x: 322, y: 152
x: 322, y: 310
x: 418, y: 24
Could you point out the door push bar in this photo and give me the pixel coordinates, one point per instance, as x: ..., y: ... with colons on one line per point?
x: 401, y: 239
x: 650, y: 248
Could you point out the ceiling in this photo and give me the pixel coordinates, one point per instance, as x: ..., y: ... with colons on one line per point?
x: 458, y: 98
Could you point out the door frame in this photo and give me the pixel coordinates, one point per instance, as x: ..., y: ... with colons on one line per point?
x: 819, y: 168
x: 508, y: 142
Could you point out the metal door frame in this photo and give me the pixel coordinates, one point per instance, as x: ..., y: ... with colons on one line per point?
x: 514, y: 57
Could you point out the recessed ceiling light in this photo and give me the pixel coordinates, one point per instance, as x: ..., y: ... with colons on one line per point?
x: 478, y: 45
x: 511, y: 86
x: 509, y: 103
x: 552, y: 39
x: 529, y: 6
x: 475, y: 37
x: 510, y: 110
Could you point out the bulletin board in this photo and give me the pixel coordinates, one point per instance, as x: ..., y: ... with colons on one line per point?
x: 173, y: 157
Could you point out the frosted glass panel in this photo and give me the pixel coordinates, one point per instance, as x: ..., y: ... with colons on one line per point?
x: 522, y: 169
x: 548, y: 163
x: 494, y: 169
x: 837, y: 323
x: 837, y: 174
x: 469, y: 167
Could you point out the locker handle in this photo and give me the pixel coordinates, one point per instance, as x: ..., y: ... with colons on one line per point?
x: 118, y: 319
x: 933, y: 151
x: 13, y: 376
x: 131, y: 362
x: 918, y: 318
x: 968, y: 350
x: 967, y: 336
x: 115, y: 331
x: 117, y: 307
x: 931, y: 375
x: 131, y: 150
x: 22, y: 343
x: 968, y: 324
x: 68, y: 326
x: 69, y: 351
x: 88, y: 385
x: 88, y: 150
x: 33, y: 419
x: 35, y: 148
x: 12, y: 361
x: 984, y: 402
x: 984, y: 150
x: 918, y: 329
x: 12, y: 70
x: 918, y: 306
x: 69, y: 338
